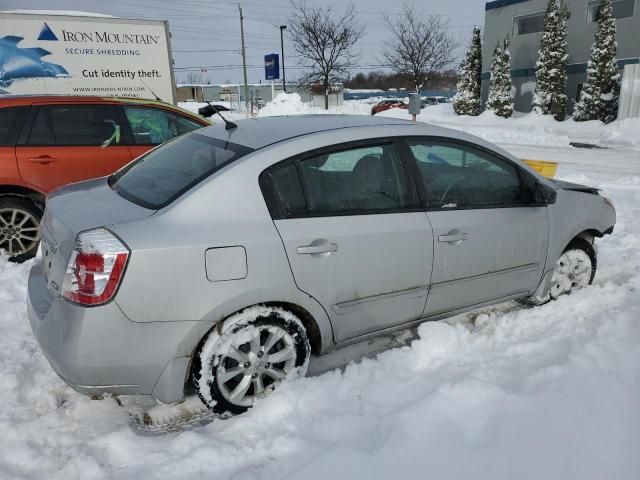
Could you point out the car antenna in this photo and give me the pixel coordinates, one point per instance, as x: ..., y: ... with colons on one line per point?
x: 158, y: 99
x: 228, y: 124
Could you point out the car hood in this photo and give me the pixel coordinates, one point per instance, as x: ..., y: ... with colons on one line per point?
x: 576, y: 187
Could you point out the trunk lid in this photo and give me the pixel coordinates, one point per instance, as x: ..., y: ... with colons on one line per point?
x: 76, y: 208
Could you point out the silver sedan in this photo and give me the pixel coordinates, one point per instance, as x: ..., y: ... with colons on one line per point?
x: 223, y: 260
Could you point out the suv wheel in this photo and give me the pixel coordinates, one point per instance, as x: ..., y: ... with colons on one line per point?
x: 19, y: 228
x: 258, y: 349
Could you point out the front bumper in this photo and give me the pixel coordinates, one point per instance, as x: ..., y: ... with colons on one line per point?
x: 99, y: 350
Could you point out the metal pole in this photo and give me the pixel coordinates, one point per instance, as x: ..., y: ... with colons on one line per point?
x: 244, y: 63
x: 284, y: 82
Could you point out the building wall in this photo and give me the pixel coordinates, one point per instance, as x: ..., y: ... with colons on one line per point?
x: 216, y: 93
x: 499, y: 24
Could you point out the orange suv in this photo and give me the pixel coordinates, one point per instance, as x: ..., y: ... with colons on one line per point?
x: 50, y: 141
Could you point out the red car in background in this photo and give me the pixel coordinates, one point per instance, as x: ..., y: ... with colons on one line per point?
x: 387, y: 105
x: 50, y: 141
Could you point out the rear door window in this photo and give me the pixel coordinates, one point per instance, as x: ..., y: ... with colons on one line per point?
x: 355, y: 181
x: 75, y: 125
x: 153, y: 126
x: 164, y: 174
x: 11, y: 120
x: 352, y: 181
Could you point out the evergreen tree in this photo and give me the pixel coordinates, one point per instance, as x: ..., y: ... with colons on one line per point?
x: 550, y: 96
x: 500, y: 99
x: 467, y: 99
x: 601, y: 91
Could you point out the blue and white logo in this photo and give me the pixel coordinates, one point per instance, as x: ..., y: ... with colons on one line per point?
x: 18, y: 63
x: 47, y: 34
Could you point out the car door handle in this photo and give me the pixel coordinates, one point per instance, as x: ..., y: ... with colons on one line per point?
x: 315, y: 249
x: 453, y: 237
x: 44, y: 159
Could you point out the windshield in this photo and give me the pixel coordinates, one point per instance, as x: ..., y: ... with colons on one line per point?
x: 164, y: 174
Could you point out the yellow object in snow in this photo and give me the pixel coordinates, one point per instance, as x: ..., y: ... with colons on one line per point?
x: 544, y: 168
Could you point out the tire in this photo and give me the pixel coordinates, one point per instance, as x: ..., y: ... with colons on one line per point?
x: 257, y: 350
x: 19, y: 228
x: 575, y: 269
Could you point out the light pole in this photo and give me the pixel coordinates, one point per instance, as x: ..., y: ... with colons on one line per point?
x: 284, y: 82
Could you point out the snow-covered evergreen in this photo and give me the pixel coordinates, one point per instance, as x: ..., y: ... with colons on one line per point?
x: 601, y: 91
x: 550, y: 97
x: 500, y: 99
x: 467, y: 100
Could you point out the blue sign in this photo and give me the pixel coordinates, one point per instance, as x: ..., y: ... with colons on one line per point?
x: 272, y: 66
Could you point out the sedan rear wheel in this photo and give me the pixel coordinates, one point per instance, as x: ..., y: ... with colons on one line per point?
x: 262, y: 348
x: 19, y: 228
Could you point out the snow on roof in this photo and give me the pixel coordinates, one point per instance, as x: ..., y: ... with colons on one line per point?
x: 70, y: 13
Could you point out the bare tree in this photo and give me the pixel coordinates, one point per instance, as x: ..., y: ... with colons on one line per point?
x: 420, y: 45
x: 195, y: 78
x: 324, y: 40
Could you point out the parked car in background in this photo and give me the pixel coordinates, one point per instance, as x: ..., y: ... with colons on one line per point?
x: 230, y: 255
x: 387, y: 105
x: 436, y: 99
x: 428, y: 101
x: 210, y: 110
x: 50, y: 141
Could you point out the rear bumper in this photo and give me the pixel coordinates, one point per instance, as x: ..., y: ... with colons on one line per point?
x: 99, y: 350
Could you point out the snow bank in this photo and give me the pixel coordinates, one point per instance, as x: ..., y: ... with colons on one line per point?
x: 551, y: 392
x: 521, y: 129
x: 285, y: 104
x: 532, y: 129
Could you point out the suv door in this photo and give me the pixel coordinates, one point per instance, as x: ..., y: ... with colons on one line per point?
x: 69, y: 143
x: 490, y: 238
x: 354, y: 234
x: 150, y: 126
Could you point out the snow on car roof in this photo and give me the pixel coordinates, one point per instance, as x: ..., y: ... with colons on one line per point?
x: 260, y: 132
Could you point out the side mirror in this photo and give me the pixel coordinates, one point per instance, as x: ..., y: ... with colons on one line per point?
x: 544, y: 194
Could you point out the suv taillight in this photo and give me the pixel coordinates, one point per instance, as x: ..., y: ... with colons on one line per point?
x: 95, y: 268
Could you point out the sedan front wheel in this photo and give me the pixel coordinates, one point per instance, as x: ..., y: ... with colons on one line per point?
x: 574, y: 269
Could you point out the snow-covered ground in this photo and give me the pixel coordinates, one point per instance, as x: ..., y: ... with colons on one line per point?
x: 521, y: 129
x: 551, y: 392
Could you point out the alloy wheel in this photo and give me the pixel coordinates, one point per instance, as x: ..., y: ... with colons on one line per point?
x: 251, y: 370
x: 19, y: 231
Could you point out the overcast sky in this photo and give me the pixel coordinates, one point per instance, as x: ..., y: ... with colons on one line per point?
x: 206, y: 34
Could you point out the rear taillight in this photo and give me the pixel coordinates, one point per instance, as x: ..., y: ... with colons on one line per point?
x: 95, y: 268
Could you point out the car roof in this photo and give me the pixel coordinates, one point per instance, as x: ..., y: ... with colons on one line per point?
x: 260, y: 132
x: 20, y: 100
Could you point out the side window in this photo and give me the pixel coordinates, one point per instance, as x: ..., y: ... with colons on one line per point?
x: 456, y: 176
x: 355, y: 181
x: 283, y: 192
x: 75, y: 125
x: 153, y: 126
x: 11, y: 120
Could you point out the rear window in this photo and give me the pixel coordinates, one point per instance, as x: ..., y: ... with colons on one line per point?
x: 164, y: 174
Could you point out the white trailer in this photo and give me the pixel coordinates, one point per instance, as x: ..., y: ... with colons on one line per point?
x: 85, y: 55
